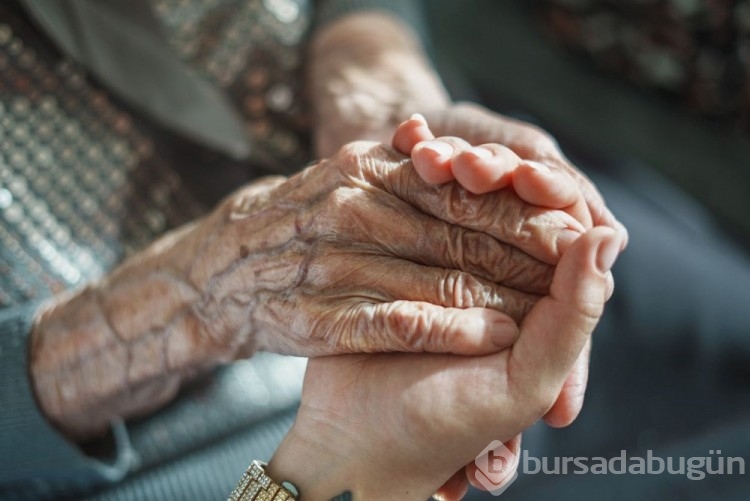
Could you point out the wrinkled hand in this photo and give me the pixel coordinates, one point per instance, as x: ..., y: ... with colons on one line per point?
x: 491, y: 153
x: 357, y: 254
x: 354, y: 254
x: 398, y: 426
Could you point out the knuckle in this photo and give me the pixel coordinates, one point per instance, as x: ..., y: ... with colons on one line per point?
x: 365, y: 155
x: 457, y: 246
x: 346, y: 332
x: 590, y: 309
x: 518, y: 308
x: 516, y: 219
x: 518, y: 270
x: 347, y: 337
x: 479, y: 253
x: 245, y: 201
x: 339, y: 200
x: 339, y: 206
x: 355, y: 150
x: 374, y: 165
x: 460, y: 204
x: 412, y: 326
x: 349, y: 158
x: 498, y: 262
x: 459, y: 289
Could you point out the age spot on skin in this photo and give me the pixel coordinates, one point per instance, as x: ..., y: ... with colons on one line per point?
x: 244, y: 251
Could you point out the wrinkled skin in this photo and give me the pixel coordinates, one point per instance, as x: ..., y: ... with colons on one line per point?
x: 436, y: 413
x: 356, y: 233
x: 531, y: 162
x: 354, y: 254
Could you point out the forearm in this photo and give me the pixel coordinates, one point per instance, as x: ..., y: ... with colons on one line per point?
x: 122, y: 346
x: 367, y: 73
x: 102, y: 352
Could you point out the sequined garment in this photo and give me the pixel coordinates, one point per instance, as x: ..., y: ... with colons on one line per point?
x: 693, y: 51
x: 251, y: 49
x: 84, y: 181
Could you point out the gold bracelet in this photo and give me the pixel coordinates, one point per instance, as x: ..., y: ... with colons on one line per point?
x: 255, y: 485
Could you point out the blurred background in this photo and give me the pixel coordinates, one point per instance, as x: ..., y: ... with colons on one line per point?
x: 650, y: 98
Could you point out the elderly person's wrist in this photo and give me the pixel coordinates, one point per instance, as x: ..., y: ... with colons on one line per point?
x: 123, y: 345
x: 105, y: 351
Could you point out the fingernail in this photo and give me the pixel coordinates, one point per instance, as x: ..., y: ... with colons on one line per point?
x: 480, y: 152
x: 565, y: 238
x: 538, y: 166
x: 607, y: 253
x: 504, y: 332
x: 419, y: 117
x: 440, y: 149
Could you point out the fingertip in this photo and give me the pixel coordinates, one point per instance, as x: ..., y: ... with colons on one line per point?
x: 562, y: 414
x: 471, y: 475
x: 595, y: 250
x: 623, y: 231
x: 483, y: 331
x: 480, y: 152
x: 602, y: 216
x: 608, y: 251
x: 410, y: 133
x: 610, y: 286
x: 455, y: 488
x: 480, y: 171
x: 581, y: 275
x: 539, y: 185
x: 432, y: 161
x: 502, y: 329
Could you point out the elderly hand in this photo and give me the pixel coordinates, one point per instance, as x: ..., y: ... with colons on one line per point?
x: 530, y: 161
x: 354, y: 254
x: 398, y: 426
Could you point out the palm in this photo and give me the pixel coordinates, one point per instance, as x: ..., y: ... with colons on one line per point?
x: 429, y: 415
x: 414, y: 399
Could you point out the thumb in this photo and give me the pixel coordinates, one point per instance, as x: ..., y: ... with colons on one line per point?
x: 556, y: 329
x: 570, y: 401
